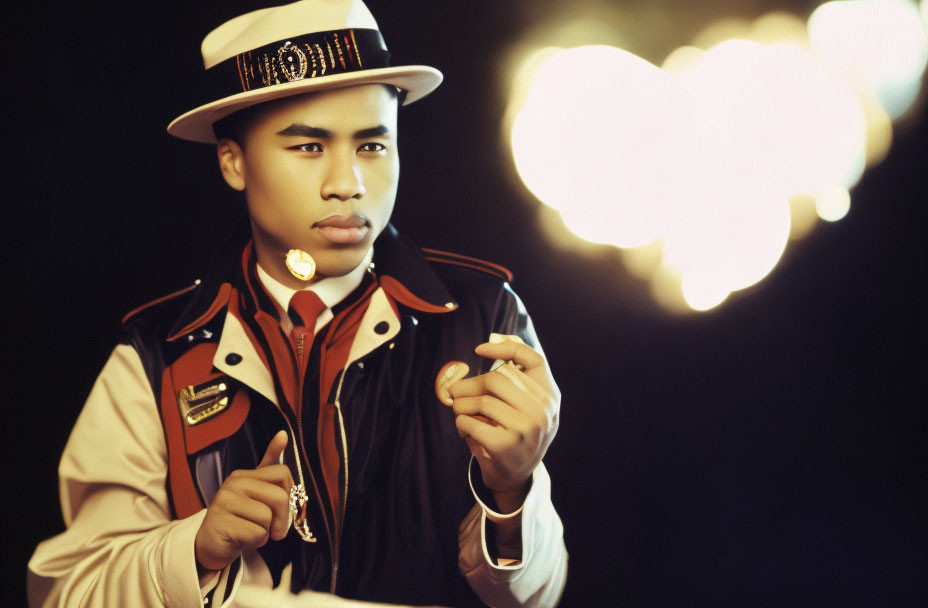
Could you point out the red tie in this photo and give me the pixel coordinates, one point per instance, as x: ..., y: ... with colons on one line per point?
x: 307, y: 305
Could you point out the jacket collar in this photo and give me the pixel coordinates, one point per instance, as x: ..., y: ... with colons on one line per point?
x: 402, y: 270
x: 407, y: 276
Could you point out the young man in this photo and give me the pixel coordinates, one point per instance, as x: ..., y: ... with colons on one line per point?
x: 303, y: 414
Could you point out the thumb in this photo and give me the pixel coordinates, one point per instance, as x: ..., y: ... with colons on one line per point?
x: 274, y: 449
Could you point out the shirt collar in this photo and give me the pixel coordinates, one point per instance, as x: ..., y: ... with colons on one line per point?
x: 331, y: 290
x: 401, y: 268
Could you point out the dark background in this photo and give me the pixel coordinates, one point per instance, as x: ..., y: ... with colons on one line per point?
x: 767, y: 453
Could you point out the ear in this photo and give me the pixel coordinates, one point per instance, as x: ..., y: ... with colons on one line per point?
x: 231, y: 163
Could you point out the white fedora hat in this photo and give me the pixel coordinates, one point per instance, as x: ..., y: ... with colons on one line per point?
x: 301, y: 47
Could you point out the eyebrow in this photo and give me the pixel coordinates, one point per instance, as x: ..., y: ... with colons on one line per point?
x: 301, y: 130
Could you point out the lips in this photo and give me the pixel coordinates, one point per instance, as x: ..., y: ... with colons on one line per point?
x: 344, y: 230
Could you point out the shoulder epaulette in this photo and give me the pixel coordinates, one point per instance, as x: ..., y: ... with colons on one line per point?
x: 135, y: 311
x: 446, y: 257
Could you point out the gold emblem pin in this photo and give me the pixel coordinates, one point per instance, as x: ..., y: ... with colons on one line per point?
x: 198, y: 403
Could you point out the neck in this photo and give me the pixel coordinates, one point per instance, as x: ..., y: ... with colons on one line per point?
x: 276, y: 267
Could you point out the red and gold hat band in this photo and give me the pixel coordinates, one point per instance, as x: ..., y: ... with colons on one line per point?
x: 299, y: 58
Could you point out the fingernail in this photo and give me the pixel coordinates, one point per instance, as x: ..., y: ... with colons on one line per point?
x: 450, y: 373
x: 500, y: 338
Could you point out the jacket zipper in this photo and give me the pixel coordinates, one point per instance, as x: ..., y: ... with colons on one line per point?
x: 298, y: 496
x: 344, y: 497
x: 300, y: 522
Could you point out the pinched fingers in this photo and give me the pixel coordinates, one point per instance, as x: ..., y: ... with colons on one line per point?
x: 476, y: 385
x: 533, y: 363
x: 478, y: 433
x: 517, y: 352
x: 449, y: 374
x: 515, y: 390
x: 490, y: 408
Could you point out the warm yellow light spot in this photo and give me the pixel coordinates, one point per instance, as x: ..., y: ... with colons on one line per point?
x: 703, y: 170
x: 803, y: 215
x: 729, y: 243
x: 879, y: 128
x: 553, y: 228
x: 721, y: 30
x: 643, y: 261
x: 778, y: 26
x: 704, y: 292
x: 682, y: 60
x: 772, y: 124
x: 833, y: 204
x: 880, y: 45
x: 522, y: 79
x: 667, y: 291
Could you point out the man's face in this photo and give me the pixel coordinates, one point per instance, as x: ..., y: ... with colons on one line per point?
x: 320, y: 174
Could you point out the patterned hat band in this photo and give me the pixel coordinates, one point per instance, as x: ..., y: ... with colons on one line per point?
x: 298, y: 58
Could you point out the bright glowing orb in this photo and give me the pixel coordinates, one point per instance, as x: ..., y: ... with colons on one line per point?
x: 878, y: 44
x: 704, y: 169
x: 832, y: 205
x: 777, y: 119
x: 770, y: 123
x: 593, y: 140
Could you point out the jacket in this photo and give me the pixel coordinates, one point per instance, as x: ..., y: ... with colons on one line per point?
x: 406, y: 528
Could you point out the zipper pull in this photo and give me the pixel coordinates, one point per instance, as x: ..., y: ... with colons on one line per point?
x: 298, y: 519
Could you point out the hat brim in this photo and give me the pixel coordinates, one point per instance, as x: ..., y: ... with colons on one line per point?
x: 197, y: 124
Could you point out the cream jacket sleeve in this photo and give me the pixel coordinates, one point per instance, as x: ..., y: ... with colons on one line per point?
x: 121, y: 547
x: 536, y: 580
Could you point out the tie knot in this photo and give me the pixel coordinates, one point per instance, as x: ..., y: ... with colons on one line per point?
x: 308, y: 306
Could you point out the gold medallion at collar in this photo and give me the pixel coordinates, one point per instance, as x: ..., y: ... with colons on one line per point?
x: 198, y: 403
x: 301, y: 264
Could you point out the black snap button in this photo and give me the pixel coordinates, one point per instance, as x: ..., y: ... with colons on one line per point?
x: 233, y: 358
x: 382, y: 327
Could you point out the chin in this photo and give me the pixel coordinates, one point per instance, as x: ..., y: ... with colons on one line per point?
x: 338, y: 267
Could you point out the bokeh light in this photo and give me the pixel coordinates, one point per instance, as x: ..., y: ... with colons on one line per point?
x: 595, y: 148
x: 832, y: 205
x: 702, y: 170
x: 876, y: 44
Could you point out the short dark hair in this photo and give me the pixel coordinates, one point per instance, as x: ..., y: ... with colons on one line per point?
x: 235, y: 125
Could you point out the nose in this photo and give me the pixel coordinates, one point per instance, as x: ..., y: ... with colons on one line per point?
x: 343, y: 180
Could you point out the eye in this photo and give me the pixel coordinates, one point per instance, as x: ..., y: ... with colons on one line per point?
x: 372, y: 147
x: 309, y: 147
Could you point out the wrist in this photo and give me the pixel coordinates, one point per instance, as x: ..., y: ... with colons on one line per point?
x: 211, y: 565
x: 509, y: 501
x: 203, y: 572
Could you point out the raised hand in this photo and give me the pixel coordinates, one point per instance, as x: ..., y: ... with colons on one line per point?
x: 251, y: 507
x: 508, y: 418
